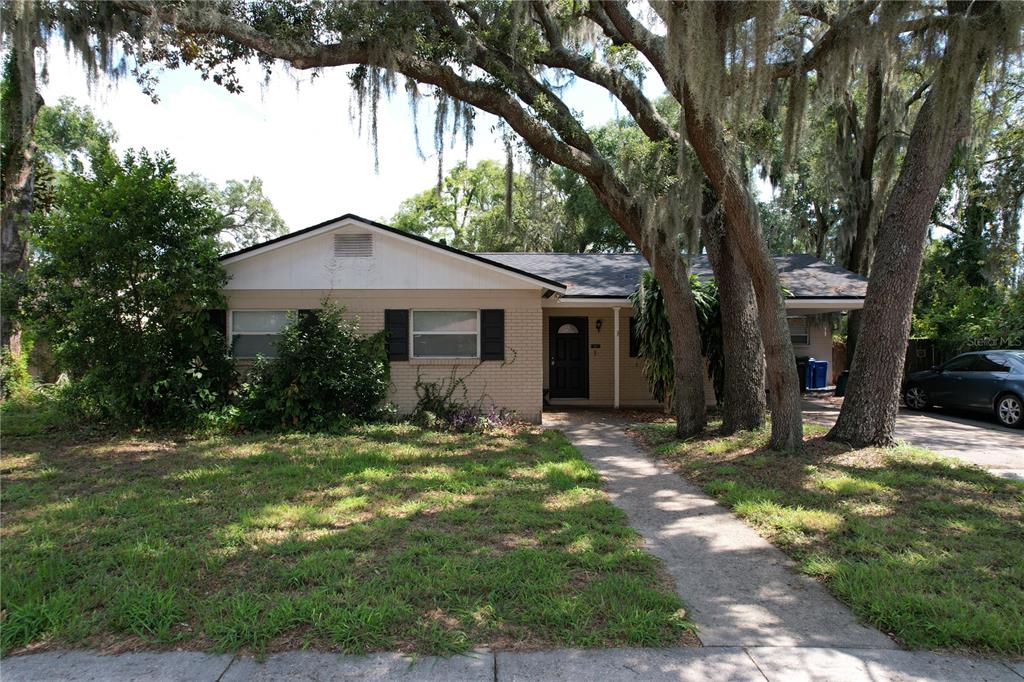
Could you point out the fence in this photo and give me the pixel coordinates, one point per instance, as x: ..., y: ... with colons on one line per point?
x: 923, y: 354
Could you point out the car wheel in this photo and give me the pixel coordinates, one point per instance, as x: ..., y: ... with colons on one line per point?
x: 915, y: 398
x: 1010, y: 411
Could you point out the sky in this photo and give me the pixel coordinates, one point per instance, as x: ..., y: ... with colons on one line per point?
x: 296, y: 133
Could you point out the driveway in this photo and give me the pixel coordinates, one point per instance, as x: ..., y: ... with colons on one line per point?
x: 989, y: 445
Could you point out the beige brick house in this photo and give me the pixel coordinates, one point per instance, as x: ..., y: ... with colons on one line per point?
x: 522, y: 330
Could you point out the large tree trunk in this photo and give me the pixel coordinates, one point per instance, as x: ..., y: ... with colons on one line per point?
x: 663, y: 253
x: 868, y: 416
x: 861, y: 251
x: 688, y: 363
x: 17, y: 116
x: 744, y: 234
x: 743, y: 400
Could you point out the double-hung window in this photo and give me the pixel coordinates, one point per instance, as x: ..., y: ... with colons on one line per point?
x: 445, y: 333
x: 798, y: 334
x: 256, y: 332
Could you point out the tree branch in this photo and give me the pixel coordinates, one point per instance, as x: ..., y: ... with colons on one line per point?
x: 615, y: 20
x: 615, y: 82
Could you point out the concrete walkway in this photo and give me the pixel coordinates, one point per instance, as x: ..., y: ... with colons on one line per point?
x: 762, y: 664
x: 739, y: 589
x: 988, y: 445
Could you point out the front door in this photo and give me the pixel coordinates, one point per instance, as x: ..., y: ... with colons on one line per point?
x: 569, y: 375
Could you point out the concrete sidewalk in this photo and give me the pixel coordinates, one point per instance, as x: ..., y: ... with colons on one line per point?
x: 739, y: 589
x: 783, y: 664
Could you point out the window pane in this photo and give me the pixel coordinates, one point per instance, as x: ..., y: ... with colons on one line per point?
x: 251, y: 345
x: 444, y: 345
x: 568, y: 329
x: 961, y: 364
x: 444, y: 320
x: 993, y: 363
x: 798, y: 331
x: 259, y: 320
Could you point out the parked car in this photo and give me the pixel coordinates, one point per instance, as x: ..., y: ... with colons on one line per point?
x: 989, y: 381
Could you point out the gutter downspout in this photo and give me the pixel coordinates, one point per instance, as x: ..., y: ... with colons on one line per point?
x: 616, y: 352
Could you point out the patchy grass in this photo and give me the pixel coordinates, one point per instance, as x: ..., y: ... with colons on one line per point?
x: 922, y: 547
x: 388, y: 538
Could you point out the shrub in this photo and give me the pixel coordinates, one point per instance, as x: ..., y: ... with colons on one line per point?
x: 325, y: 374
x: 14, y: 376
x: 126, y: 265
x: 439, y: 406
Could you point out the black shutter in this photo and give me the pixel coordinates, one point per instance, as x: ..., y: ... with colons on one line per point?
x: 217, y: 318
x: 303, y: 317
x: 492, y: 335
x: 396, y: 324
x: 634, y: 339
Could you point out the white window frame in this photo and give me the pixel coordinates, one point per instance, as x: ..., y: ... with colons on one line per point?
x: 806, y: 334
x: 232, y: 332
x: 412, y: 327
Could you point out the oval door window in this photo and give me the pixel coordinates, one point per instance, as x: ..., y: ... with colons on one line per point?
x: 568, y: 329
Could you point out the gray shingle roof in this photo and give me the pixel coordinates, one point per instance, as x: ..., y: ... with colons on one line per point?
x: 614, y: 275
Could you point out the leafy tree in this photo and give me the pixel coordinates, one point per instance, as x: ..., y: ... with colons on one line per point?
x: 127, y: 265
x: 247, y: 215
x: 68, y: 135
x: 551, y: 209
x: 325, y: 374
x: 464, y: 209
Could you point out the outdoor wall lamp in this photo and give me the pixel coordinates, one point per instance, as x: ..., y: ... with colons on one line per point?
x: 598, y: 324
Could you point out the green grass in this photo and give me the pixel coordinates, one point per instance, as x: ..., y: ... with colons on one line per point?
x: 919, y: 546
x: 387, y: 538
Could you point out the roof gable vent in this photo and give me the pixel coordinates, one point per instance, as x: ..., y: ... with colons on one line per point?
x: 359, y: 245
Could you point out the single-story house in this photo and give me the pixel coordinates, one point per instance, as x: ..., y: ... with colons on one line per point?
x: 522, y: 329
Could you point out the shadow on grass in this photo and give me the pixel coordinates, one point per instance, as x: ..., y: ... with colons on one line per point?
x: 919, y: 546
x: 387, y: 538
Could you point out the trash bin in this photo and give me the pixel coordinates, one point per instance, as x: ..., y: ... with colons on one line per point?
x: 802, y: 367
x: 841, y: 382
x: 819, y: 374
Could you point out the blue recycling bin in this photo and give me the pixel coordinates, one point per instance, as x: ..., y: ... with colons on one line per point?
x: 818, y: 373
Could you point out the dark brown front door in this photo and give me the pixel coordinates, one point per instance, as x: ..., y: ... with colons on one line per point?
x: 569, y: 375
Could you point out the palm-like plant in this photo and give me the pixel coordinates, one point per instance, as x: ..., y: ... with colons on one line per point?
x: 655, y: 338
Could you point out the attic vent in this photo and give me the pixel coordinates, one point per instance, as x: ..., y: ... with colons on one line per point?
x: 353, y: 245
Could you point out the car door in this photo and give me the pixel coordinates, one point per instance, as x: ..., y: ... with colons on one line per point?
x: 982, y: 384
x: 945, y: 389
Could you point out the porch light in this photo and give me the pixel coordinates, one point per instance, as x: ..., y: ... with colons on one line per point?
x: 597, y: 325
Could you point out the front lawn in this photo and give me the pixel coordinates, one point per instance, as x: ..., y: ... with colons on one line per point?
x: 921, y: 547
x: 388, y: 538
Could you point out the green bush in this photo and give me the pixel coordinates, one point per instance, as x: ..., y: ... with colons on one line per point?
x: 14, y: 376
x: 326, y: 374
x: 126, y: 265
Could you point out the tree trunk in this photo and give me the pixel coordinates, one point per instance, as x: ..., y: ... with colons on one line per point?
x: 743, y: 400
x: 18, y: 115
x: 664, y: 255
x: 743, y: 231
x: 868, y: 416
x: 861, y: 252
x: 688, y: 362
